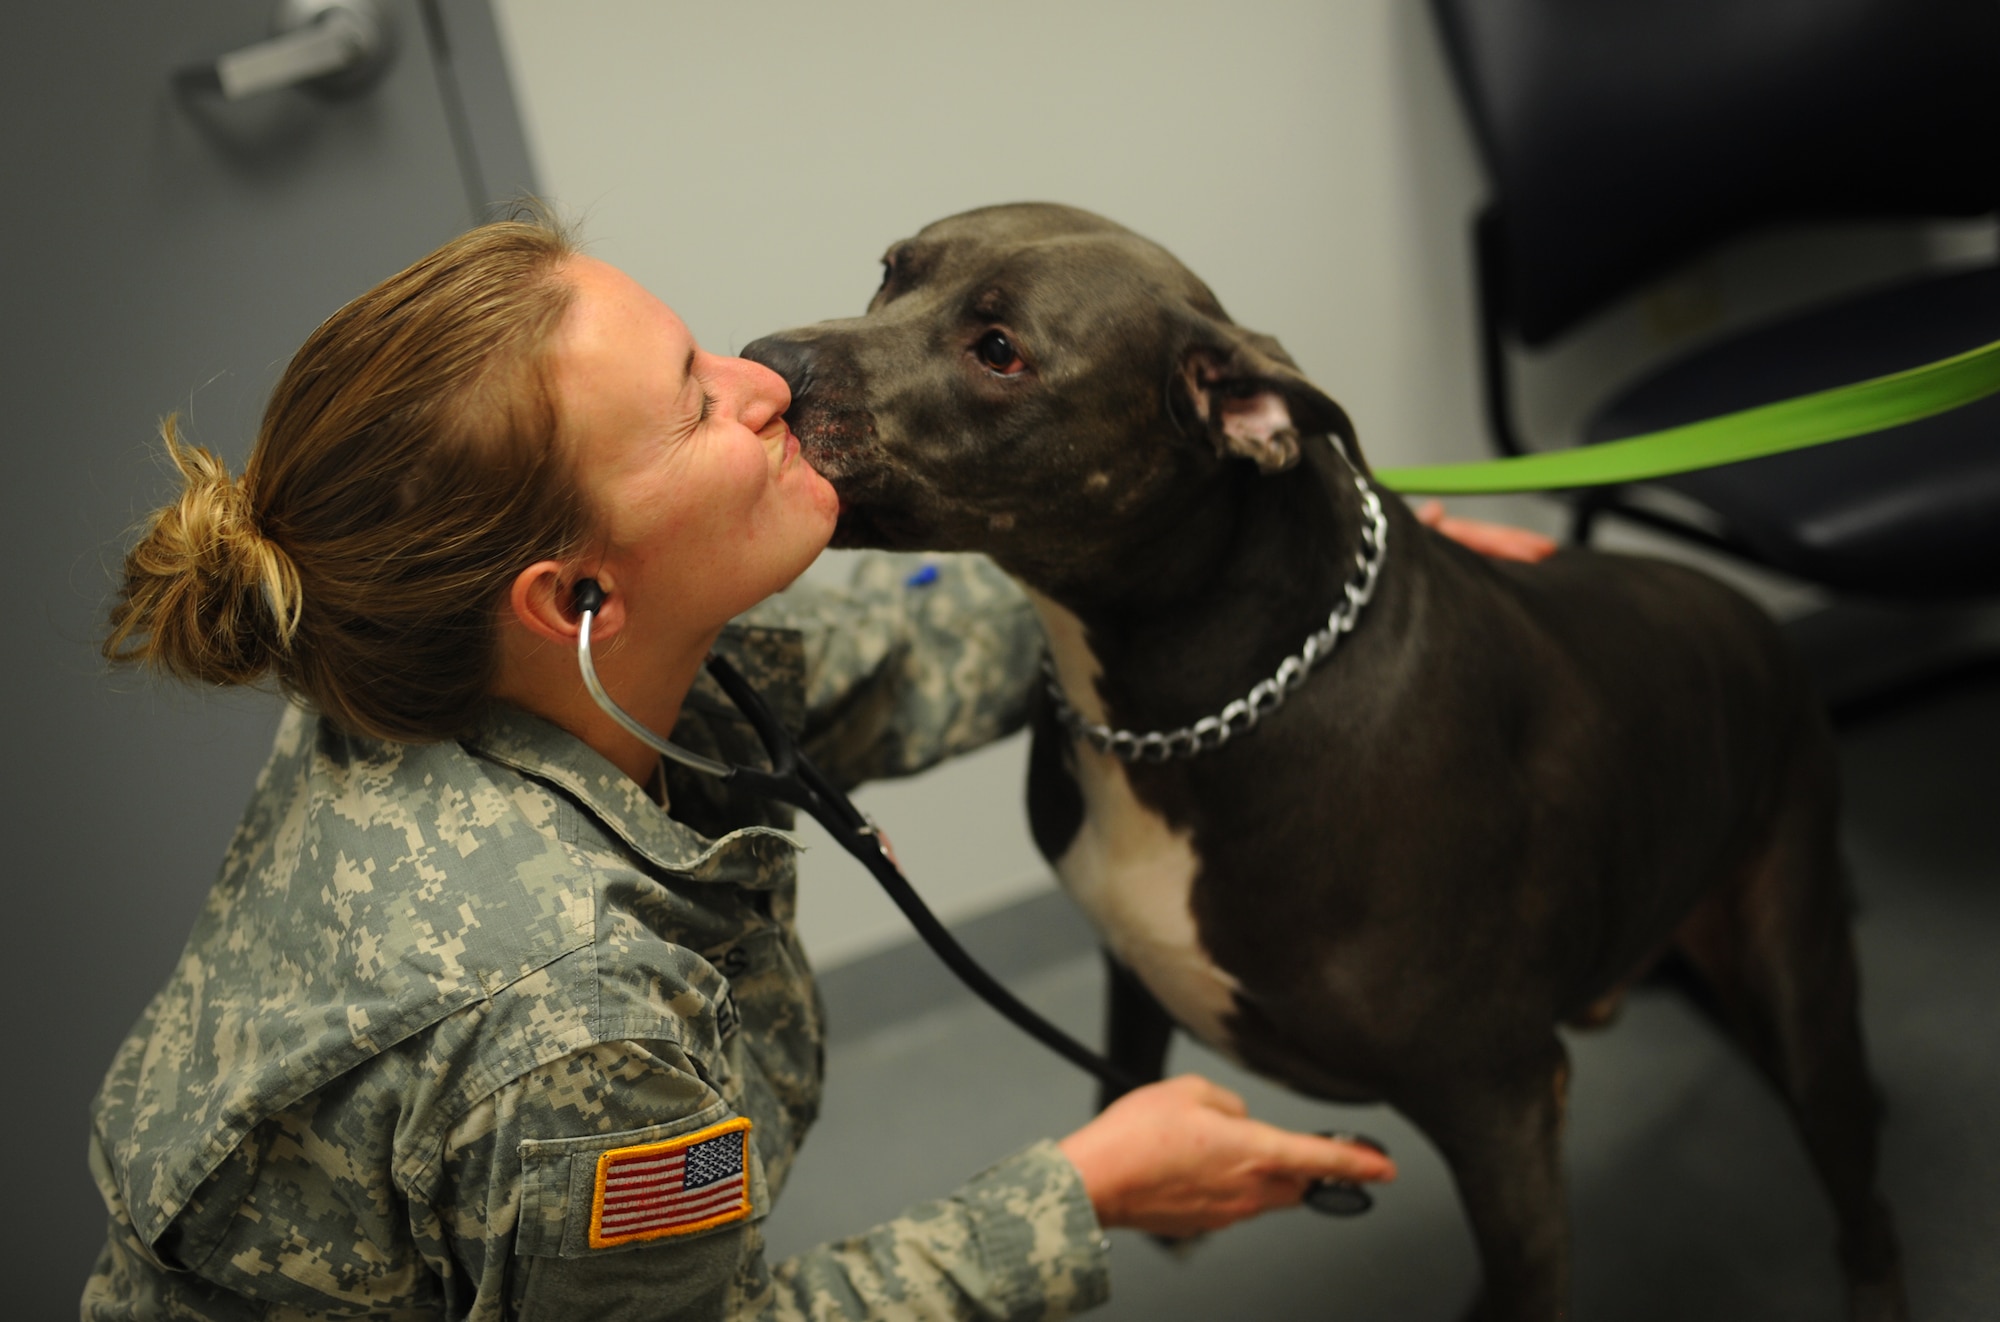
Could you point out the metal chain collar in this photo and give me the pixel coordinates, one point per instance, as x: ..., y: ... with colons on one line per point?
x: 1242, y: 715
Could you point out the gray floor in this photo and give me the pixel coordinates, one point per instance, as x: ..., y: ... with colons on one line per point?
x: 1691, y: 1197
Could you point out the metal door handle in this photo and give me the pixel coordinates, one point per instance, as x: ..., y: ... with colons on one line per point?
x: 332, y: 46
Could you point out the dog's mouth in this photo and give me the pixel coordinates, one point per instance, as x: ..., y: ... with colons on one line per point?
x: 855, y: 530
x: 834, y: 448
x: 868, y: 524
x: 833, y: 461
x: 838, y: 437
x: 830, y: 437
x: 870, y: 515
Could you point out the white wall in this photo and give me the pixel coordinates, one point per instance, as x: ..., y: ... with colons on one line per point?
x: 749, y: 163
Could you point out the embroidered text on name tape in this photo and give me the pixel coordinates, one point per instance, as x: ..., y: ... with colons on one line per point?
x: 673, y: 1188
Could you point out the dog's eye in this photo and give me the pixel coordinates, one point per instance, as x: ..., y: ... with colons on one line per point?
x: 999, y: 354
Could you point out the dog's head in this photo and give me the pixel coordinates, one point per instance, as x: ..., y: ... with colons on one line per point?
x: 1031, y: 376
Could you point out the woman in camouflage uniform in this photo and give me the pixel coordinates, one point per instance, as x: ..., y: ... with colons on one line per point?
x: 490, y: 1013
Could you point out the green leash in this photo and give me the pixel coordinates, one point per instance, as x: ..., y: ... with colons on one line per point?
x: 1790, y: 424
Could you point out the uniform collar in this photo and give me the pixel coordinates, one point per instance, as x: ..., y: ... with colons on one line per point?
x: 545, y: 752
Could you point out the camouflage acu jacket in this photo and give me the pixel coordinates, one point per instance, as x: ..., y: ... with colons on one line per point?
x: 473, y: 1029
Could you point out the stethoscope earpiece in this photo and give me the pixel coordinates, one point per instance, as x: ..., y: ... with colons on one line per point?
x: 588, y: 599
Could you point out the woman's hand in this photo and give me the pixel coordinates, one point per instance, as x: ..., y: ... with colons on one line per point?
x: 1494, y: 539
x: 1182, y: 1156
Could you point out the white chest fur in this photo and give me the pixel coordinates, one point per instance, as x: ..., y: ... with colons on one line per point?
x: 1128, y: 869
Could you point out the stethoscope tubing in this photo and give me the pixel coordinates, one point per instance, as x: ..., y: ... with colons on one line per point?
x: 794, y: 779
x: 665, y: 748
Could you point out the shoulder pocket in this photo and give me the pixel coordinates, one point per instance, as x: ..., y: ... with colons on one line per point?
x: 604, y: 1192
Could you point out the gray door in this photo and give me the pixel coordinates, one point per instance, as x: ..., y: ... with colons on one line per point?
x: 164, y: 250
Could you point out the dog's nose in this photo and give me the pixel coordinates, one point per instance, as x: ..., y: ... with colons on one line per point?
x: 788, y: 358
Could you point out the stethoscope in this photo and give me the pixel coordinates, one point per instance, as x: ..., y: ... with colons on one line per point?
x: 793, y: 779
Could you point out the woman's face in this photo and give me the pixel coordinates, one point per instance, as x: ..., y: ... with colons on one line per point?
x: 705, y: 505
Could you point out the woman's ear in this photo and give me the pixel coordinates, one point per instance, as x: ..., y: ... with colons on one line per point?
x: 542, y: 600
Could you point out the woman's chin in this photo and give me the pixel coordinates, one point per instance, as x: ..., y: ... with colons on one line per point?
x: 829, y: 500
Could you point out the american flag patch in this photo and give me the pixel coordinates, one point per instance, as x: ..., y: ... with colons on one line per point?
x: 673, y: 1188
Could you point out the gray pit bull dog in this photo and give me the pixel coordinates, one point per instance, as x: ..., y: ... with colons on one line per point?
x: 1491, y: 800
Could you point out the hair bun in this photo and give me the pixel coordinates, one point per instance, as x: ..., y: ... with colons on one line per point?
x: 206, y: 595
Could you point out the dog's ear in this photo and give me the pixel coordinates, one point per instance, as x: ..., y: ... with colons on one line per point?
x: 1252, y: 400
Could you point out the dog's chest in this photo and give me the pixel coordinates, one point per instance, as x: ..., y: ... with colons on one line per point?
x: 1129, y: 869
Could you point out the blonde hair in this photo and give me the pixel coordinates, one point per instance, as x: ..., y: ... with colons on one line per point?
x: 406, y: 469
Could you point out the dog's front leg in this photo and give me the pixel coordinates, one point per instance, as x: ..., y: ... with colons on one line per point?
x: 1136, y: 1030
x: 1499, y: 1128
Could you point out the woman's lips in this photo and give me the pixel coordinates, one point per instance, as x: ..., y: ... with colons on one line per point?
x: 795, y: 450
x: 797, y: 447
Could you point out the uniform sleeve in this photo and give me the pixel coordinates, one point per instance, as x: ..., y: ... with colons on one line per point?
x: 1017, y: 1242
x: 920, y: 658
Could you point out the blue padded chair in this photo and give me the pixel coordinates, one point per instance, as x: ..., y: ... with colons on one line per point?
x: 1625, y: 137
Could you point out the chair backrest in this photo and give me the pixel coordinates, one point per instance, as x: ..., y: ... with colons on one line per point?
x: 1622, y: 137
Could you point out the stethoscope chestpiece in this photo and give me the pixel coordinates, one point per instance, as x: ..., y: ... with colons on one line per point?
x: 1342, y: 1197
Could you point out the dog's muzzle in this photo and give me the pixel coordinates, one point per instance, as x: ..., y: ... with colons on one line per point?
x: 827, y: 413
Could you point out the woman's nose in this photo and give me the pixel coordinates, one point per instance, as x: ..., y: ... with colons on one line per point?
x: 788, y: 358
x: 761, y: 393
